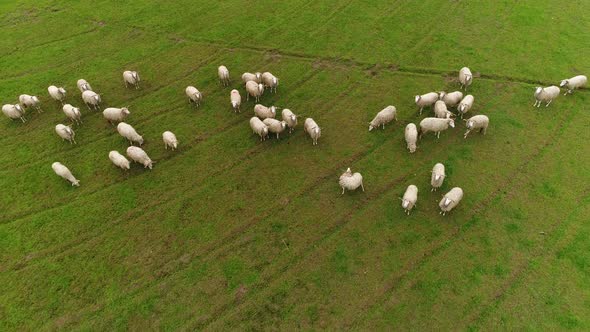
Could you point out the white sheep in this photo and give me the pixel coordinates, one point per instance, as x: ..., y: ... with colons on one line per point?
x: 426, y: 100
x: 438, y: 176
x: 465, y: 105
x: 139, y: 156
x: 129, y: 133
x: 119, y: 160
x: 56, y: 93
x: 254, y: 89
x: 451, y: 99
x: 66, y: 133
x: 411, y: 136
x: 73, y: 113
x: 312, y: 129
x: 350, y: 181
x: 113, y: 114
x: 223, y: 74
x: 383, y: 117
x: 264, y: 112
x: 14, y: 112
x: 169, y: 140
x: 436, y: 125
x: 410, y: 198
x: 290, y: 118
x: 275, y: 126
x: 465, y: 77
x: 194, y: 96
x: 573, y: 83
x: 480, y: 122
x: 30, y: 101
x: 270, y: 81
x: 83, y: 85
x: 441, y: 111
x: 259, y: 128
x: 65, y: 173
x: 450, y: 200
x: 131, y: 78
x: 236, y: 100
x: 91, y: 99
x: 256, y: 77
x: 545, y: 94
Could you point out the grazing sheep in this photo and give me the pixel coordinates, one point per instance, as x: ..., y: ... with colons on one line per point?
x: 349, y: 181
x: 131, y: 78
x: 426, y: 100
x: 83, y: 85
x: 411, y: 135
x: 129, y: 133
x: 451, y: 99
x: 169, y: 140
x: 573, y: 83
x: 410, y: 198
x: 438, y: 176
x: 275, y: 126
x: 30, y: 101
x: 254, y: 89
x: 56, y: 93
x: 65, y: 173
x: 312, y: 129
x: 290, y: 118
x: 139, y: 156
x: 119, y: 160
x: 264, y: 112
x: 450, y: 200
x: 256, y: 77
x: 14, y: 112
x: 194, y: 95
x: 259, y: 128
x: 270, y: 81
x: 223, y: 74
x: 384, y: 116
x: 91, y: 99
x: 465, y: 77
x: 73, y: 113
x: 480, y: 122
x: 236, y: 100
x: 436, y: 125
x: 113, y: 114
x: 66, y: 133
x: 465, y: 105
x: 441, y: 111
x: 545, y: 94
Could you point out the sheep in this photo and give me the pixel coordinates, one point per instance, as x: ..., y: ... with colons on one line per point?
x: 119, y: 160
x: 290, y: 118
x: 91, y: 99
x: 384, y: 116
x: 545, y: 94
x: 14, y: 112
x: 450, y: 200
x: 169, y: 140
x: 270, y: 81
x: 131, y: 78
x: 573, y: 83
x: 426, y: 100
x: 129, y: 133
x: 264, y: 112
x: 312, y: 129
x: 194, y: 95
x: 113, y: 114
x: 441, y: 111
x: 465, y: 105
x: 411, y: 135
x: 254, y: 89
x: 259, y: 128
x: 65, y: 173
x: 438, y: 176
x: 83, y: 85
x: 73, y: 113
x: 451, y: 99
x: 66, y: 133
x: 223, y: 74
x: 436, y: 125
x: 349, y: 181
x: 56, y: 93
x: 275, y: 126
x: 256, y: 77
x: 465, y: 77
x: 236, y: 100
x: 139, y: 156
x: 410, y: 198
x: 480, y: 122
x: 30, y: 101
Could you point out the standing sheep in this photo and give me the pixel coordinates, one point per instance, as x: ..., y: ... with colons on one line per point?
x: 465, y: 105
x: 14, y: 112
x: 236, y: 100
x: 275, y: 126
x: 545, y: 94
x: 437, y: 177
x: 441, y: 111
x: 91, y: 99
x: 131, y: 78
x: 465, y: 77
x: 66, y: 133
x: 436, y: 125
x: 480, y: 122
x: 410, y: 198
x: 450, y: 200
x: 426, y: 100
x: 256, y: 77
x: 113, y: 114
x: 194, y: 96
x: 254, y: 89
x: 411, y: 136
x: 259, y: 128
x: 169, y: 140
x: 139, y: 156
x: 65, y: 173
x: 30, y: 101
x: 264, y: 112
x: 384, y: 116
x: 119, y: 160
x: 451, y: 99
x: 312, y: 129
x: 290, y: 118
x: 56, y: 93
x: 83, y: 85
x: 349, y: 181
x: 129, y: 133
x: 270, y: 81
x: 73, y: 113
x: 573, y: 83
x: 223, y: 74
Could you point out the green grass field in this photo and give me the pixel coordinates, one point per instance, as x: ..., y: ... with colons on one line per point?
x: 232, y: 233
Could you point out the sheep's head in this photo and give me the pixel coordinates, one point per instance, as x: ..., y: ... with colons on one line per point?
x: 283, y: 124
x: 258, y: 76
x: 140, y: 140
x: 260, y: 88
x: 451, y: 123
x: 417, y: 98
x: 62, y: 91
x: 447, y: 202
x: 35, y: 99
x: 468, y: 78
x: 563, y: 83
x: 371, y: 126
x: 293, y: 117
x: 275, y: 81
x: 18, y: 108
x: 96, y: 97
x: 405, y: 204
x: 234, y: 104
x: 273, y: 110
x: 469, y: 124
x: 135, y: 76
x: 149, y: 164
x: 125, y: 111
x: 437, y: 177
x: 265, y: 131
x: 316, y: 130
x: 76, y: 183
x: 175, y: 144
x: 441, y: 95
x: 461, y: 108
x: 538, y: 90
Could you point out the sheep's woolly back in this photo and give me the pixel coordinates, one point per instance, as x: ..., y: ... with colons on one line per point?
x: 410, y: 197
x: 453, y: 98
x: 65, y: 173
x: 546, y: 94
x: 350, y: 181
x: 466, y: 104
x: 438, y: 175
x: 139, y: 156
x: 478, y: 121
x: 274, y: 125
x: 289, y: 117
x: 119, y: 160
x: 264, y: 112
x: 451, y: 199
x: 411, y: 136
x: 426, y: 99
x: 435, y: 124
x: 384, y: 116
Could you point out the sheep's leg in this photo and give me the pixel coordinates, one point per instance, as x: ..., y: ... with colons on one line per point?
x: 362, y: 187
x: 421, y: 110
x: 549, y: 103
x: 466, y: 133
x: 342, y: 191
x: 438, y: 135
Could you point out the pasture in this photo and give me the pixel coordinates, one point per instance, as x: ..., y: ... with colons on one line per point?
x: 229, y: 232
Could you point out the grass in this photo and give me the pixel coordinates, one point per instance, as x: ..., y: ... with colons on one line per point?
x: 231, y: 233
